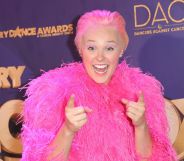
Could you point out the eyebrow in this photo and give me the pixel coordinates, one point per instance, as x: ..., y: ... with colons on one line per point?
x: 110, y: 41
x: 91, y: 40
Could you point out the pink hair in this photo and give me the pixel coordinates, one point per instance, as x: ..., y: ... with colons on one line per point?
x: 103, y: 17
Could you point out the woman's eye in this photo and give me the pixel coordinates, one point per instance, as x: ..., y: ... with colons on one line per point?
x: 110, y: 48
x: 91, y: 48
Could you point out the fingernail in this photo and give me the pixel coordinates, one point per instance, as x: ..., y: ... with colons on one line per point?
x: 90, y: 110
x: 87, y: 109
x: 123, y: 100
x: 139, y: 91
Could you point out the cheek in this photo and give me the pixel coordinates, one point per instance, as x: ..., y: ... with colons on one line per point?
x: 114, y: 60
x: 87, y: 60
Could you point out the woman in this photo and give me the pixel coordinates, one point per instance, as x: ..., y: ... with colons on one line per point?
x: 97, y: 110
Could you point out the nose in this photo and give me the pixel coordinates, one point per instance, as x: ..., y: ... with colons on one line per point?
x: 100, y: 56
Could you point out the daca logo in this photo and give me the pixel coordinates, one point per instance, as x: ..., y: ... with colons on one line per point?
x: 161, y: 19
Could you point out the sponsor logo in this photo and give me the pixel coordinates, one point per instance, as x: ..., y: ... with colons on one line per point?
x: 161, y: 20
x: 10, y: 77
x: 39, y: 32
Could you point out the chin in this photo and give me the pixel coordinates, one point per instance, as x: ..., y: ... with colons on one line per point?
x: 101, y: 80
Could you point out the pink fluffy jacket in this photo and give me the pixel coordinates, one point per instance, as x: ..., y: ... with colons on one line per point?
x: 109, y: 134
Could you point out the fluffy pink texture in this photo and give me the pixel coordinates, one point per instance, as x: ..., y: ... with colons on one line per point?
x: 108, y: 134
x: 102, y: 17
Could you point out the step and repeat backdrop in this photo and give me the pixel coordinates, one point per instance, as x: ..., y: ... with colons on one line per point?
x: 37, y: 36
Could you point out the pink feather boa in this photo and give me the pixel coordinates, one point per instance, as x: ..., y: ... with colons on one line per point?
x: 108, y: 134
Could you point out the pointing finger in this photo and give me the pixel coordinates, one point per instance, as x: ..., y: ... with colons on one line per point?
x: 140, y: 96
x: 125, y: 101
x: 70, y: 103
x: 88, y: 110
x: 80, y: 110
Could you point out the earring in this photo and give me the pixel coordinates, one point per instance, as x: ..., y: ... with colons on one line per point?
x: 120, y: 55
x: 122, y: 52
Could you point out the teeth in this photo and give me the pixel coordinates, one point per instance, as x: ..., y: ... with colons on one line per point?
x: 101, y: 66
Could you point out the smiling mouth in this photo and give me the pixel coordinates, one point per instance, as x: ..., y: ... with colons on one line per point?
x: 100, y: 68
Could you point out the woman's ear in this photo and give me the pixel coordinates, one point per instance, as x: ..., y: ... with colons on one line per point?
x: 80, y: 52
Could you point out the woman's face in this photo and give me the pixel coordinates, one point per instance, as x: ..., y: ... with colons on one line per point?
x: 100, y: 49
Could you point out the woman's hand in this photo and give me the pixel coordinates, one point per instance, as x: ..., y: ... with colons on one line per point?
x: 136, y: 110
x: 75, y: 117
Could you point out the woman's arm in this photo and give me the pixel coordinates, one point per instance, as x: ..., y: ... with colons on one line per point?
x: 154, y: 115
x: 143, y: 142
x: 136, y: 112
x: 75, y: 118
x: 62, y: 143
